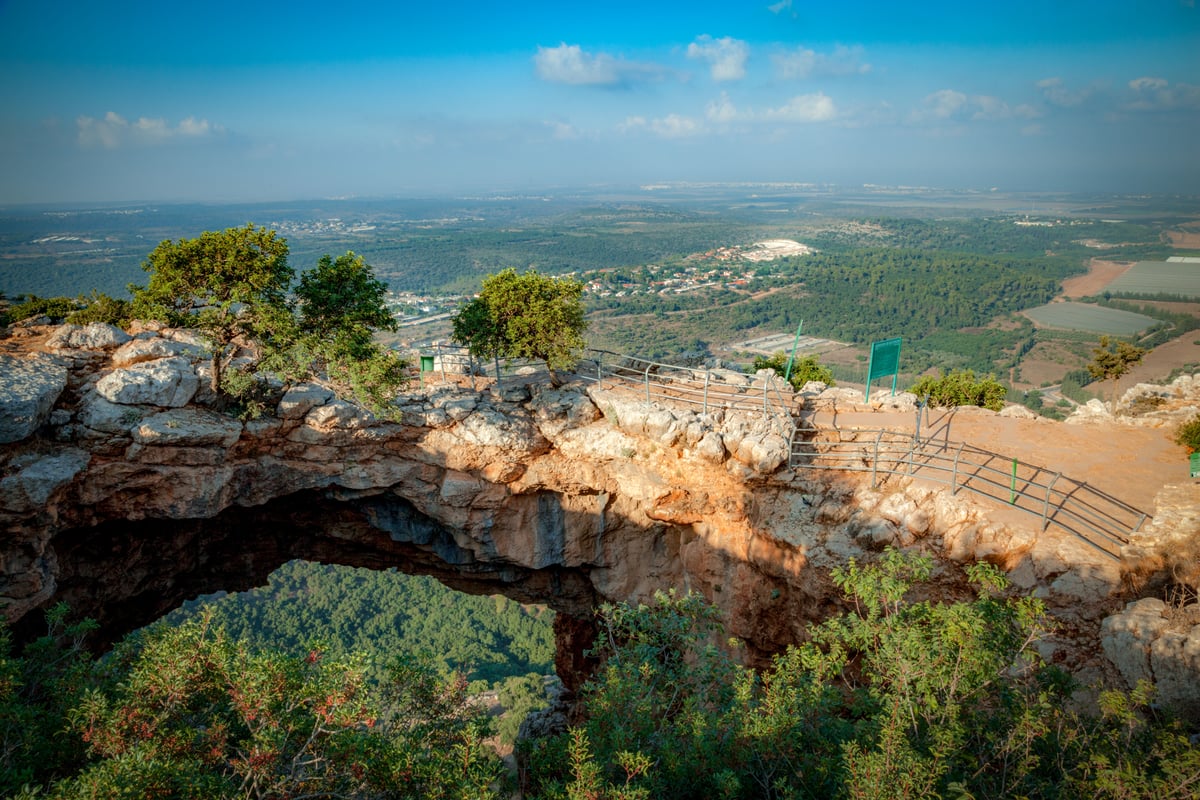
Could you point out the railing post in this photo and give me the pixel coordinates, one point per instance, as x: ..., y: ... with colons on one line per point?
x: 442, y: 359
x: 706, y: 375
x: 954, y: 476
x: 1046, y: 507
x: 646, y: 376
x: 875, y: 461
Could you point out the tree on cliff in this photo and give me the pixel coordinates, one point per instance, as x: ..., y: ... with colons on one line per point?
x: 226, y: 284
x: 1112, y: 359
x: 342, y: 302
x: 526, y: 315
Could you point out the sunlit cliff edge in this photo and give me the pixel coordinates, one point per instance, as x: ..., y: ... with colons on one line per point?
x: 122, y: 494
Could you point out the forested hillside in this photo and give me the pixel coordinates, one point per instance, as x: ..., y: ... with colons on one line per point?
x: 383, y: 613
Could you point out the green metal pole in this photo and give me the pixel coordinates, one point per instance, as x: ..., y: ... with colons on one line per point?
x: 1012, y: 489
x: 787, y: 373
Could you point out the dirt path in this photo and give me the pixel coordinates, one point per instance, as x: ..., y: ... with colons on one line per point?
x: 1130, y: 463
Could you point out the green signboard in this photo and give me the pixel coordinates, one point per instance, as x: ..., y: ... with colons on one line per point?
x: 1194, y: 465
x: 885, y: 360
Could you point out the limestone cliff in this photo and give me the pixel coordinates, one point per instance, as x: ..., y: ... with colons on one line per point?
x: 122, y: 494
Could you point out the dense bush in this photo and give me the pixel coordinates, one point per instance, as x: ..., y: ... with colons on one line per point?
x: 898, y: 699
x: 804, y: 369
x: 960, y: 389
x: 1188, y: 434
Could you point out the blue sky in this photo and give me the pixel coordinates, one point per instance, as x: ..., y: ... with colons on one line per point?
x: 154, y: 101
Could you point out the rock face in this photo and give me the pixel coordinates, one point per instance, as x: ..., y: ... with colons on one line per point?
x: 28, y: 389
x: 123, y: 499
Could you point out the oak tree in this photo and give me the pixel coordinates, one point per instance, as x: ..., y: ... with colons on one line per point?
x: 223, y: 283
x: 525, y: 315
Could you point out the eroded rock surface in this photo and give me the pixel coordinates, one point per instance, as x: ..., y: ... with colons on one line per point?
x: 131, y: 499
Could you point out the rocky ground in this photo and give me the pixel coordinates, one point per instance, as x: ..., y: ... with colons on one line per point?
x: 120, y: 488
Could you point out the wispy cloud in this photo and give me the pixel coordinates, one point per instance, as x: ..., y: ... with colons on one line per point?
x: 803, y: 108
x: 112, y: 130
x: 803, y: 62
x: 1158, y: 94
x: 571, y: 64
x: 950, y: 105
x: 726, y: 56
x: 672, y: 126
x: 1057, y: 94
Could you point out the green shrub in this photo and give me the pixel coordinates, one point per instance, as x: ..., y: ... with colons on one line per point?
x: 102, y: 308
x: 56, y: 308
x: 961, y: 388
x: 803, y: 369
x: 1188, y: 434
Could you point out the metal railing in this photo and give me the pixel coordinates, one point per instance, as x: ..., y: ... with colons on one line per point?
x: 1098, y: 518
x: 703, y: 389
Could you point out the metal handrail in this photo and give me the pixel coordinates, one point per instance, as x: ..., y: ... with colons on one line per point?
x: 1100, y: 519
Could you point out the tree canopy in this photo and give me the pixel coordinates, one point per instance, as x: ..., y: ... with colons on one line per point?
x: 223, y: 283
x: 1112, y: 359
x: 525, y: 315
x: 341, y: 299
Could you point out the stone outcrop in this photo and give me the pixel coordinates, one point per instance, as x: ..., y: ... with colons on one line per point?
x: 123, y: 498
x: 29, y: 388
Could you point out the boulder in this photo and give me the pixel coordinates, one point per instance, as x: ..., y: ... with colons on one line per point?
x: 188, y: 427
x: 152, y: 349
x: 93, y: 336
x: 29, y: 388
x: 169, y: 382
x: 302, y: 398
x: 100, y: 415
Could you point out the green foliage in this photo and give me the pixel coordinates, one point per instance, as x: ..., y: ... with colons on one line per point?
x: 960, y: 388
x: 1188, y: 434
x: 897, y: 699
x: 804, y: 369
x: 1113, y: 358
x: 56, y: 308
x: 102, y: 308
x: 226, y: 284
x: 379, y: 612
x: 342, y: 301
x: 37, y: 692
x: 525, y: 315
x: 196, y: 714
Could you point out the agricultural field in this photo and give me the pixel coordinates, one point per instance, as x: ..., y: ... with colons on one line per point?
x: 1159, y: 277
x: 1085, y: 317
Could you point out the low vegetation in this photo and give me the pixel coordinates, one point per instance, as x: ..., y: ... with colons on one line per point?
x: 798, y: 372
x: 898, y: 698
x: 960, y: 388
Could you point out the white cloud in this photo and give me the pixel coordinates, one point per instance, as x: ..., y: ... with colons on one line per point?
x: 805, y: 108
x: 675, y: 126
x: 780, y: 7
x: 817, y: 107
x: 803, y: 62
x: 1157, y: 94
x: 672, y: 126
x: 949, y: 105
x: 944, y: 103
x: 563, y: 131
x: 113, y: 130
x: 726, y: 56
x: 571, y: 64
x: 1057, y: 94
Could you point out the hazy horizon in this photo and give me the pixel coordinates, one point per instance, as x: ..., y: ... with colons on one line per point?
x: 151, y: 102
